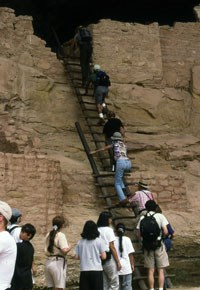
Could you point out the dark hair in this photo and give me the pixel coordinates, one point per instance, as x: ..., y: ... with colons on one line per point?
x: 151, y: 205
x: 158, y: 209
x: 13, y: 219
x: 29, y: 229
x: 90, y: 231
x: 16, y: 215
x: 111, y: 114
x: 57, y: 223
x: 120, y: 230
x: 103, y: 220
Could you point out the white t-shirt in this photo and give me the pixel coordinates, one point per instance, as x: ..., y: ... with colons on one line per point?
x: 8, y: 253
x: 15, y: 232
x: 89, y: 252
x: 107, y: 234
x: 124, y: 260
x: 160, y: 218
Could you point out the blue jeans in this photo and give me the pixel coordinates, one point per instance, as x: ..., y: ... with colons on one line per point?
x: 122, y: 165
x: 125, y: 282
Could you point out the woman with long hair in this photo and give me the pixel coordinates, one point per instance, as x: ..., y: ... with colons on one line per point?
x: 125, y: 252
x: 91, y: 251
x: 112, y: 264
x: 56, y: 248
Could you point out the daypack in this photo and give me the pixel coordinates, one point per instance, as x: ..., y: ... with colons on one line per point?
x: 102, y: 79
x: 85, y: 35
x: 150, y: 233
x: 12, y: 229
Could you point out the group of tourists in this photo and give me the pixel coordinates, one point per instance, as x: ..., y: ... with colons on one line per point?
x: 105, y: 252
x: 155, y: 232
x: 16, y: 251
x: 106, y: 258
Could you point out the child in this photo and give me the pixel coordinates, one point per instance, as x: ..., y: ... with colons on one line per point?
x: 22, y: 278
x: 125, y: 252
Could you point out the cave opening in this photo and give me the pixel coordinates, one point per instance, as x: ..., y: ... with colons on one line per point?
x: 61, y: 17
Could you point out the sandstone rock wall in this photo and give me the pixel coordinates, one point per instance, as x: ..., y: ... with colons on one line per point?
x: 35, y: 90
x: 180, y: 52
x: 38, y: 109
x: 32, y: 184
x: 150, y: 68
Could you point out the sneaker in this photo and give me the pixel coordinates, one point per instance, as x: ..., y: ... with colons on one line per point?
x: 113, y: 168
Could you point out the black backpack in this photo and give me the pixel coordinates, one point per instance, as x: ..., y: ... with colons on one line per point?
x: 150, y: 233
x: 85, y: 35
x: 102, y: 79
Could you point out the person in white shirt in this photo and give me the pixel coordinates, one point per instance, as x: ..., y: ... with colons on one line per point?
x: 112, y: 264
x: 91, y: 250
x: 158, y: 256
x: 8, y: 248
x: 125, y: 252
x: 14, y: 228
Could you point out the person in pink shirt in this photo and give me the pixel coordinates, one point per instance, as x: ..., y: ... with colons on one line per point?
x: 140, y: 197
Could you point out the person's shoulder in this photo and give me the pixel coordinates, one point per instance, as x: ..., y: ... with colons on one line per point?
x: 126, y: 239
x: 60, y: 234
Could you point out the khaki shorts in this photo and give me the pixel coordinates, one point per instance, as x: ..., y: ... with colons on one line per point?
x: 55, y: 274
x: 156, y: 259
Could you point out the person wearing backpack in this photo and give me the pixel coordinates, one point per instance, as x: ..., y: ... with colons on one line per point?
x: 14, y: 228
x: 152, y: 227
x: 100, y: 81
x: 83, y: 39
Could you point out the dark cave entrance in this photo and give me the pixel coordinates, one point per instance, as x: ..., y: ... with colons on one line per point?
x: 63, y: 16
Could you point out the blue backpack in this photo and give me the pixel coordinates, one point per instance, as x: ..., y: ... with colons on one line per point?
x: 102, y: 79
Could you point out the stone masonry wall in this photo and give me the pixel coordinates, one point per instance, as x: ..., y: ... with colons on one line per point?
x: 168, y: 189
x: 32, y: 184
x: 180, y: 48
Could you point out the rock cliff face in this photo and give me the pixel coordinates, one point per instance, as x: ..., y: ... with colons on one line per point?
x: 155, y: 91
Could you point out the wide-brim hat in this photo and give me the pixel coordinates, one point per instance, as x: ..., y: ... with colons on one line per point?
x: 117, y: 136
x: 5, y: 210
x: 143, y: 185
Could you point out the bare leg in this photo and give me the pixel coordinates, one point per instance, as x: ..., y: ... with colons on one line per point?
x: 151, y: 278
x: 161, y: 278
